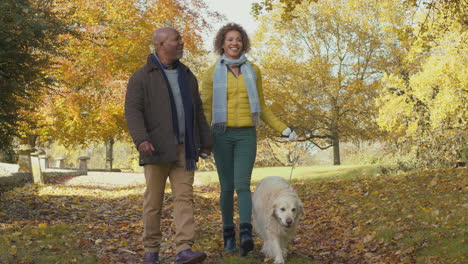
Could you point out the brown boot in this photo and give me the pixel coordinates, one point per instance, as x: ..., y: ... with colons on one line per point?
x: 189, y: 257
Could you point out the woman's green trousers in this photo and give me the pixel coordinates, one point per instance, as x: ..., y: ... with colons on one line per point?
x: 234, y: 152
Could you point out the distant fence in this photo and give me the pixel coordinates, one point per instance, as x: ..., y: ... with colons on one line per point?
x: 34, y: 167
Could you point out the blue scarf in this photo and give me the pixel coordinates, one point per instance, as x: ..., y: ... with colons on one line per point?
x: 220, y: 91
x: 189, y: 142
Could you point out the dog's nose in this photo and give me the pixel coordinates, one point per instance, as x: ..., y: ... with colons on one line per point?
x: 289, y: 221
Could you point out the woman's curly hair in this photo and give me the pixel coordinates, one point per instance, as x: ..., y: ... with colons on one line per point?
x: 221, y: 36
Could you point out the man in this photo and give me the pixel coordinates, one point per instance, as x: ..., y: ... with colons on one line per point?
x: 165, y: 118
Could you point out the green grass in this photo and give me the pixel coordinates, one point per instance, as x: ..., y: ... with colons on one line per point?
x: 451, y: 248
x: 254, y: 258
x: 421, y: 213
x: 42, y: 244
x: 419, y: 216
x: 300, y: 173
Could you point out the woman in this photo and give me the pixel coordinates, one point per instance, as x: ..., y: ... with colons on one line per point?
x: 233, y: 103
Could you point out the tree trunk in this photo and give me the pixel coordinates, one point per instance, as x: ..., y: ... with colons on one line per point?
x: 336, y: 148
x: 32, y: 140
x: 334, y: 128
x: 109, y: 153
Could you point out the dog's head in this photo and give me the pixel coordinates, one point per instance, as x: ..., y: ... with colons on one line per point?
x: 287, y: 210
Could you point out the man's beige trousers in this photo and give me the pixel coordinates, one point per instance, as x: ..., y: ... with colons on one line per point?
x: 182, y: 194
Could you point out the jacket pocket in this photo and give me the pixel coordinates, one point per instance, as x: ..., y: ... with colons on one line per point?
x: 154, y: 138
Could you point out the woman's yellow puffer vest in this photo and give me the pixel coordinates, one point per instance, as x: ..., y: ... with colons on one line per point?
x: 238, y: 106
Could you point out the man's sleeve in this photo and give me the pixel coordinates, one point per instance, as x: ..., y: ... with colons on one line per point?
x: 134, y: 111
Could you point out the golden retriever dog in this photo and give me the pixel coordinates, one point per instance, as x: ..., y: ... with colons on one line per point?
x: 276, y: 212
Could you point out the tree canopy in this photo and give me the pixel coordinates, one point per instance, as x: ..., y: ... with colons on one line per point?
x: 336, y: 71
x: 29, y: 38
x: 323, y: 67
x: 424, y: 101
x: 115, y: 38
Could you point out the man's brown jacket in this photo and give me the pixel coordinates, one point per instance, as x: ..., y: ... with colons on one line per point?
x: 149, y: 117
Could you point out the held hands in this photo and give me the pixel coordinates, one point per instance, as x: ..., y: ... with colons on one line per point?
x: 289, y: 134
x: 145, y: 147
x: 205, y: 154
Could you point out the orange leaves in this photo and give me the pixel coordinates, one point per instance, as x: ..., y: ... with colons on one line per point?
x: 388, y: 219
x: 113, y: 39
x: 378, y: 220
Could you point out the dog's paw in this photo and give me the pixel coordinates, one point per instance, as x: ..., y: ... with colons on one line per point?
x: 284, y: 251
x: 279, y: 260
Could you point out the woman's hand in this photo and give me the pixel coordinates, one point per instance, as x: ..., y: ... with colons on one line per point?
x: 290, y: 134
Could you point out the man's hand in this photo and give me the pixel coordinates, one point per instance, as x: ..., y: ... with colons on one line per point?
x: 205, y: 154
x: 145, y: 147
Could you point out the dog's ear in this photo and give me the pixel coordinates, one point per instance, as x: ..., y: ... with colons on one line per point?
x: 273, y: 213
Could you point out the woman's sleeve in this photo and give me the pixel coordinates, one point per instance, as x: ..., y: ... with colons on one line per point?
x: 206, y: 94
x: 267, y: 115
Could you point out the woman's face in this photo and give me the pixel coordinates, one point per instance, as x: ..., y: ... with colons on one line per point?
x: 232, y: 46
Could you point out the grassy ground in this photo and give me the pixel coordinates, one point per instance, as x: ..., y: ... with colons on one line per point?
x: 353, y: 215
x: 301, y: 173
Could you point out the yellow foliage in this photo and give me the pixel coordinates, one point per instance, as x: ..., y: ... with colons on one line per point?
x: 440, y: 85
x: 113, y: 39
x: 425, y: 99
x: 322, y: 68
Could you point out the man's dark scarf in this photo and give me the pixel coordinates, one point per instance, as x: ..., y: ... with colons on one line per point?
x: 189, y: 142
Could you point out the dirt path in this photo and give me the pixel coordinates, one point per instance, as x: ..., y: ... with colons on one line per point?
x: 109, y: 179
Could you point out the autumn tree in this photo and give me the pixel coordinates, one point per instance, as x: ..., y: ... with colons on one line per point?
x: 424, y: 101
x: 322, y: 67
x: 288, y: 7
x: 29, y: 37
x: 87, y: 103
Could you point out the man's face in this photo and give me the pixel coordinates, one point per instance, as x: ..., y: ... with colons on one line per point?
x: 173, y: 46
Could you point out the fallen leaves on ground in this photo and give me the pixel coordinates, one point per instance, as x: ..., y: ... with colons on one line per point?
x: 385, y: 219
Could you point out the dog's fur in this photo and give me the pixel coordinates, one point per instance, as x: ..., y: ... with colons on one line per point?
x: 276, y: 213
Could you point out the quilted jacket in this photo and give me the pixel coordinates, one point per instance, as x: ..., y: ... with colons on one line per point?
x: 238, y: 106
